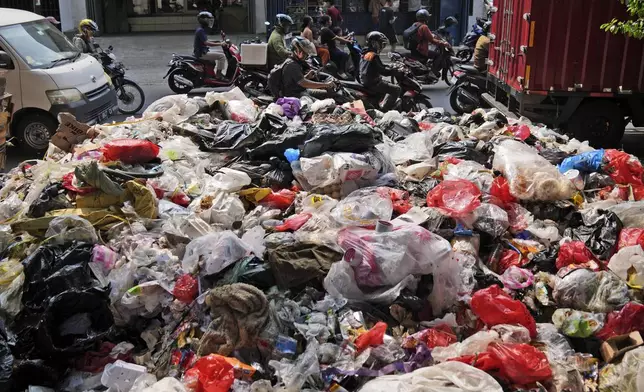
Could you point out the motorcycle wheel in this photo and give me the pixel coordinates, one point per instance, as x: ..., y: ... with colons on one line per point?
x: 461, y: 107
x: 416, y: 104
x: 130, y: 97
x: 253, y: 86
x: 448, y: 74
x: 175, y: 85
x: 465, y: 55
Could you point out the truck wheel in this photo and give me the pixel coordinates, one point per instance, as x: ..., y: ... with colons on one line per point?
x: 602, y: 123
x: 34, y: 130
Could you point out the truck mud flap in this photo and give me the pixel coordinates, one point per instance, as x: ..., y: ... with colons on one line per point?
x: 498, y: 105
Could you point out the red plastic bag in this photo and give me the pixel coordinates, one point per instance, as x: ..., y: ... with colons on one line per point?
x: 211, y: 373
x: 630, y: 237
x: 521, y: 363
x: 456, y: 197
x: 130, y: 151
x: 483, y: 361
x: 509, y: 258
x: 494, y: 306
x: 623, y: 168
x: 400, y: 200
x: 373, y: 337
x: 520, y: 132
x: 439, y: 336
x: 500, y: 190
x: 70, y: 183
x: 294, y: 223
x: 576, y: 252
x: 280, y: 200
x: 186, y: 288
x: 628, y: 319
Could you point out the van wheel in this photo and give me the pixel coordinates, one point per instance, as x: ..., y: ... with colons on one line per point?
x: 34, y: 131
x: 602, y: 123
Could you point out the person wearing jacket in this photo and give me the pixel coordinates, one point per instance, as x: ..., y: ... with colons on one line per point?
x: 277, y: 51
x: 372, y: 69
x: 425, y: 38
x: 84, y: 40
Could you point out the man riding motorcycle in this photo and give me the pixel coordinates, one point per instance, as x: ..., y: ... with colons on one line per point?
x: 201, y: 44
x: 425, y: 37
x: 293, y: 81
x: 84, y: 40
x: 277, y: 51
x: 372, y: 69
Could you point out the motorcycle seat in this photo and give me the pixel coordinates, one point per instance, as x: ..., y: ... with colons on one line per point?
x: 354, y: 85
x: 470, y: 69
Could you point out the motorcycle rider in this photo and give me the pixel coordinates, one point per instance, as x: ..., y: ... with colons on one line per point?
x: 482, y: 49
x: 277, y: 51
x: 293, y: 82
x: 202, y: 44
x: 425, y: 37
x: 84, y: 40
x: 329, y: 38
x: 372, y: 69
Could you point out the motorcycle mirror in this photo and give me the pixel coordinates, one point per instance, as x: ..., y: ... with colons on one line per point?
x: 110, y: 47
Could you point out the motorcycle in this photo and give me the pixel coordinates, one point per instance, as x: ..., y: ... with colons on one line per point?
x: 411, y: 97
x: 423, y: 71
x: 188, y: 72
x: 468, y: 85
x: 352, y: 68
x: 466, y: 50
x: 130, y: 96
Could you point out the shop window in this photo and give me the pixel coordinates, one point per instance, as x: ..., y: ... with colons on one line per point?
x: 155, y: 7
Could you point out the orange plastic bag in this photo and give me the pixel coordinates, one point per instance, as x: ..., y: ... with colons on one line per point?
x: 439, y: 336
x: 373, y: 337
x: 455, y: 197
x: 130, y: 151
x: 494, y: 306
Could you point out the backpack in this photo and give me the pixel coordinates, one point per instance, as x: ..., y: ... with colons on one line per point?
x: 410, y: 36
x: 275, y: 79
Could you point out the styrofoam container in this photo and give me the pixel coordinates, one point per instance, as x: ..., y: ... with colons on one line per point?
x: 254, y: 54
x: 121, y: 375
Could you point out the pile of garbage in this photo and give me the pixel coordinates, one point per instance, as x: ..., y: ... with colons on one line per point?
x: 212, y: 245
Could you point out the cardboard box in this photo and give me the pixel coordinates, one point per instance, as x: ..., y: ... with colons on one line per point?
x: 70, y: 132
x: 616, y: 346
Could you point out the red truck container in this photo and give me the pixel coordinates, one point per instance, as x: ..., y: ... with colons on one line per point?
x: 551, y: 62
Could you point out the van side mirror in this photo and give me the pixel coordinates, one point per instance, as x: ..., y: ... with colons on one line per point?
x: 5, y: 60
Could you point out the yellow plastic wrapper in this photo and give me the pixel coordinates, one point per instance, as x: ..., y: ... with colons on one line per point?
x: 145, y: 203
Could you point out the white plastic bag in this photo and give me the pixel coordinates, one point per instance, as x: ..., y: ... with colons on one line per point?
x: 235, y: 94
x: 228, y: 180
x: 530, y: 175
x: 214, y: 252
x: 364, y: 207
x: 416, y: 147
x: 219, y: 208
x: 68, y: 228
x: 242, y: 111
x: 629, y: 258
x: 475, y: 344
x: 174, y: 109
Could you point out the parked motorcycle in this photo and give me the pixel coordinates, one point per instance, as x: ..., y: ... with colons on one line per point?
x: 130, y: 96
x: 466, y: 50
x: 411, y: 97
x: 188, y: 72
x: 468, y: 85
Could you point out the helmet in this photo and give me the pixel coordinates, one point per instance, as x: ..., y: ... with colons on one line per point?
x: 422, y: 15
x: 377, y: 41
x: 486, y: 27
x: 206, y: 19
x: 301, y: 45
x: 87, y: 25
x: 283, y: 20
x: 450, y: 21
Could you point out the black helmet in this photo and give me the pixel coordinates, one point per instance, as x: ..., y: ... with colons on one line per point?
x: 283, y: 20
x: 301, y: 44
x: 377, y: 41
x: 206, y: 19
x: 423, y: 15
x: 450, y: 21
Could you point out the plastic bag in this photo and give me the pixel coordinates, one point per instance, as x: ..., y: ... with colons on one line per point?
x: 211, y: 373
x: 385, y: 259
x: 130, y: 151
x: 627, y: 376
x: 213, y: 252
x: 628, y: 319
x: 491, y: 219
x: 467, y: 150
x: 477, y: 343
x: 373, y: 337
x: 294, y: 374
x: 290, y: 106
x: 11, y: 283
x: 521, y: 363
x: 630, y: 237
x: 440, y: 336
x: 444, y: 377
x: 557, y: 346
x: 493, y: 306
x: 531, y: 176
x: 577, y: 324
x: 231, y: 136
x: 235, y: 94
x: 364, y: 207
x: 186, y: 288
x: 228, y: 180
x: 623, y: 168
x: 174, y: 109
x: 470, y: 171
x: 345, y: 138
x: 628, y: 264
x: 585, y: 290
x: 516, y: 278
x: 242, y: 111
x: 416, y: 147
x: 455, y: 197
x: 576, y: 253
x: 598, y: 229
x: 586, y: 162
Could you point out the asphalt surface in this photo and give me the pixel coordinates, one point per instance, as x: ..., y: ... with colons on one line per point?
x: 146, y: 58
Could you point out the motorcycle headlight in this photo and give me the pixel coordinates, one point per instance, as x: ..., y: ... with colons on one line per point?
x: 64, y: 97
x: 109, y: 80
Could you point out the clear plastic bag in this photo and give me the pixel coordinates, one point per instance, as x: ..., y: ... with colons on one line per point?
x: 557, y: 346
x: 214, y: 252
x: 628, y: 264
x: 577, y: 324
x: 474, y: 344
x: 586, y: 290
x: 12, y: 280
x: 228, y: 180
x: 294, y: 374
x: 627, y: 376
x: 416, y: 147
x: 471, y: 171
x: 242, y: 111
x: 364, y: 207
x: 220, y: 208
x: 174, y: 109
x: 68, y: 228
x: 491, y: 219
x: 530, y: 175
x: 235, y: 94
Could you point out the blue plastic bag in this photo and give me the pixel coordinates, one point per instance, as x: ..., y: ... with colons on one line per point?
x: 586, y: 162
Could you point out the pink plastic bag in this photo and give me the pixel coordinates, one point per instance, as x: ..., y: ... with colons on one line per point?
x: 455, y: 197
x: 630, y: 237
x: 494, y: 306
x: 130, y: 151
x: 294, y: 222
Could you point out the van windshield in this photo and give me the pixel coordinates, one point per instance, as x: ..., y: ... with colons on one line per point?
x: 39, y: 43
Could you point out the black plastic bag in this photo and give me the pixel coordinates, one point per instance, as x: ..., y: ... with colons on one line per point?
x: 274, y: 173
x: 597, y: 181
x: 598, y: 229
x: 231, y: 136
x: 345, y: 138
x: 396, y: 131
x: 276, y: 144
x: 6, y: 360
x: 420, y: 189
x: 553, y: 155
x: 545, y: 261
x: 462, y: 150
x: 558, y: 211
x: 74, y: 321
x: 50, y: 199
x: 51, y: 270
x: 251, y: 270
x: 35, y: 372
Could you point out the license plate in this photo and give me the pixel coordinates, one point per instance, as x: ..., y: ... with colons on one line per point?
x: 454, y: 79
